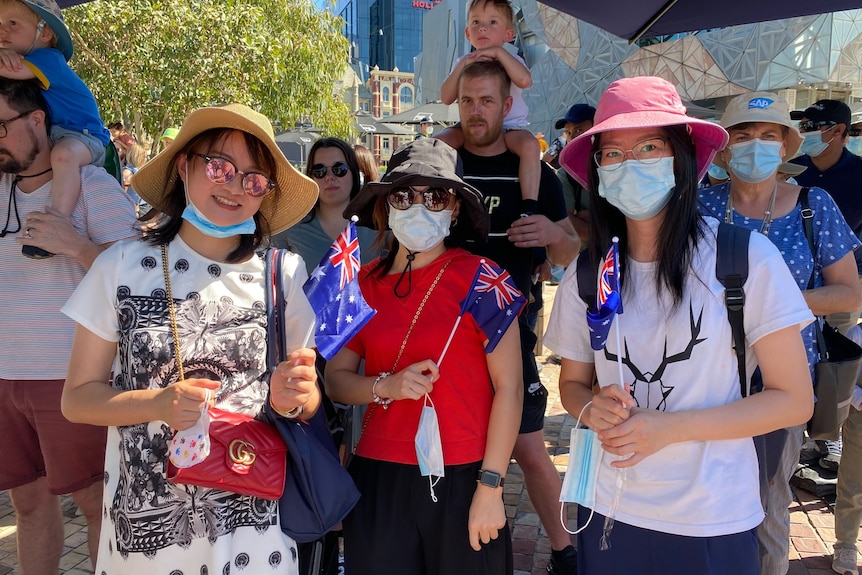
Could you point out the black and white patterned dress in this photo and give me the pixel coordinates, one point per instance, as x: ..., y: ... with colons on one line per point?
x: 150, y: 525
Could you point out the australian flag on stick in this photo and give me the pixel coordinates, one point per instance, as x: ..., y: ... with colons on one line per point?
x: 334, y: 295
x: 608, y: 300
x: 493, y: 301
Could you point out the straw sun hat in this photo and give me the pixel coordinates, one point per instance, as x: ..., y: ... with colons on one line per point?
x: 294, y: 194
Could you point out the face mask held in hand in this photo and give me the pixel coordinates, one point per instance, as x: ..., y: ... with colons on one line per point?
x: 429, y: 448
x: 582, y: 473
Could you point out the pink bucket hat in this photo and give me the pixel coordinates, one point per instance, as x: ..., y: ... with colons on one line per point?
x: 642, y: 102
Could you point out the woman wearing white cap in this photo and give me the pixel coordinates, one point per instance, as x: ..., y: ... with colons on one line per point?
x: 762, y: 136
x: 166, y: 322
x: 677, y: 423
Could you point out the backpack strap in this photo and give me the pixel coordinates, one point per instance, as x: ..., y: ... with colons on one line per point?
x: 808, y: 227
x: 731, y: 269
x: 588, y: 276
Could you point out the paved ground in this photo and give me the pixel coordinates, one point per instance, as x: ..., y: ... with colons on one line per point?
x: 811, y: 529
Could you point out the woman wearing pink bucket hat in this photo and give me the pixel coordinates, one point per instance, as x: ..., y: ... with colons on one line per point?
x: 672, y: 485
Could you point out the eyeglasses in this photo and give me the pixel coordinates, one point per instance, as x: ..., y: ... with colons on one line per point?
x: 855, y: 133
x: 339, y: 170
x: 222, y: 171
x: 4, y: 123
x: 646, y: 152
x: 435, y: 199
x: 812, y: 126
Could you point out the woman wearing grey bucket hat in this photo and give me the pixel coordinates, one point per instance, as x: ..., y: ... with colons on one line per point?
x: 420, y: 371
x: 183, y: 313
x: 762, y: 136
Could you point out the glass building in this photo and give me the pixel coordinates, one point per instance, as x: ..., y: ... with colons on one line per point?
x: 384, y: 33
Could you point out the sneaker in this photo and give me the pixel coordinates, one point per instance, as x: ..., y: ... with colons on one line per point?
x: 832, y: 459
x: 844, y: 561
x: 565, y: 561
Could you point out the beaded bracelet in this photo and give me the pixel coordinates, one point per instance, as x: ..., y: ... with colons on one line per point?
x: 377, y: 399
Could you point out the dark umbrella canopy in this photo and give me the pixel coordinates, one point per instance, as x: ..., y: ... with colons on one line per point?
x: 367, y: 124
x: 633, y: 19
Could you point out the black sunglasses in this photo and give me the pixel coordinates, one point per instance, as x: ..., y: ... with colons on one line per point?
x: 222, y: 171
x: 339, y: 170
x: 435, y: 199
x: 855, y: 133
x: 812, y: 126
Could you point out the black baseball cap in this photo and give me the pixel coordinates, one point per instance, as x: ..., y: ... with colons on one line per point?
x: 825, y: 111
x: 577, y: 114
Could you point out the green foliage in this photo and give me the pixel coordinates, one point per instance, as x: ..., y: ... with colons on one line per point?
x: 154, y: 61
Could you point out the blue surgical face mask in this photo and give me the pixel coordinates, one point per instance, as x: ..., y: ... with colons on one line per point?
x: 717, y: 172
x: 582, y: 473
x: 206, y: 226
x: 429, y: 448
x: 419, y: 229
x: 813, y: 144
x: 755, y: 160
x: 854, y: 145
x: 638, y: 190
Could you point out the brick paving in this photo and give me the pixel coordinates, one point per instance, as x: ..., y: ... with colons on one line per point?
x: 811, y: 531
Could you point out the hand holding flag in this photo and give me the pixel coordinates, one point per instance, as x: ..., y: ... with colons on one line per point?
x: 334, y: 294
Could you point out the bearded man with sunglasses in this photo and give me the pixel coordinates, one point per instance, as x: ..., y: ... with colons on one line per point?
x: 825, y: 125
x: 483, y: 100
x: 43, y: 454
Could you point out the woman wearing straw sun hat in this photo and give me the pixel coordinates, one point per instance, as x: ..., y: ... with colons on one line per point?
x: 676, y: 467
x: 762, y: 136
x: 223, y: 187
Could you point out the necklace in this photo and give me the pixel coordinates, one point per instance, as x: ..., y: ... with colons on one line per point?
x: 767, y: 215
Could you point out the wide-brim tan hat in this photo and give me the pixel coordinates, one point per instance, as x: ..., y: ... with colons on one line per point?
x: 791, y: 169
x: 761, y: 107
x: 294, y: 194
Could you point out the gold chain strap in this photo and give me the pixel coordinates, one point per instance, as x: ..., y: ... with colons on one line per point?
x: 403, y: 345
x: 172, y: 312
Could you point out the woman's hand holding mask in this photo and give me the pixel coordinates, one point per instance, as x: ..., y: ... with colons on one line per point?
x: 610, y: 407
x: 180, y: 404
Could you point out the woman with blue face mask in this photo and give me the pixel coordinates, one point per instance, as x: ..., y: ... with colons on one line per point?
x: 676, y: 468
x: 440, y: 427
x: 175, y: 323
x: 762, y: 136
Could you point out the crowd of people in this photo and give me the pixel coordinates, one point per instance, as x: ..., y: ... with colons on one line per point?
x: 142, y: 304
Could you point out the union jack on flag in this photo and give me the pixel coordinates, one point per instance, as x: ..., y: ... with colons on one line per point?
x: 344, y: 254
x: 493, y: 301
x: 333, y: 291
x: 609, y: 302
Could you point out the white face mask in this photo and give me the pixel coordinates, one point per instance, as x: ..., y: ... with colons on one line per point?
x: 419, y: 229
x: 638, y: 190
x: 429, y: 448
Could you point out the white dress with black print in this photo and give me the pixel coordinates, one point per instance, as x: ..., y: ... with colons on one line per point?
x: 150, y: 525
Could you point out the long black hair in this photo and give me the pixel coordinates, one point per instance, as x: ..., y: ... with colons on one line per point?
x: 682, y: 226
x: 175, y: 197
x: 350, y: 160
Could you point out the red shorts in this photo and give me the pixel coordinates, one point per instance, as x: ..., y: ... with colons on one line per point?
x: 37, y: 441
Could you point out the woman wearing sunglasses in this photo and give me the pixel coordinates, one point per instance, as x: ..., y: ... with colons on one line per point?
x: 223, y: 186
x: 411, y: 519
x: 333, y: 166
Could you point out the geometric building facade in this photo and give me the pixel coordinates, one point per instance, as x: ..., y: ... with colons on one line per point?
x: 804, y: 59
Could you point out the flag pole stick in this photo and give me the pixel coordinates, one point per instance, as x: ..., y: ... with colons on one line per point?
x: 448, y: 341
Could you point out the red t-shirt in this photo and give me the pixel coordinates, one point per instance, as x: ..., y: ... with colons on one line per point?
x: 462, y: 395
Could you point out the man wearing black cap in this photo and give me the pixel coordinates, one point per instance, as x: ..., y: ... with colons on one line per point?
x: 826, y: 127
x: 426, y: 128
x: 578, y: 120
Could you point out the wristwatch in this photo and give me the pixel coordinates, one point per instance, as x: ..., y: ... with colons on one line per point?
x: 491, y: 479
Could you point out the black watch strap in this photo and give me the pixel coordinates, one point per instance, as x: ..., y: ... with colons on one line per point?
x: 490, y: 478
